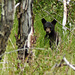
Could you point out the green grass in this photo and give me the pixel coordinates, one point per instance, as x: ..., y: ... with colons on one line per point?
x: 44, y: 60
x: 49, y: 58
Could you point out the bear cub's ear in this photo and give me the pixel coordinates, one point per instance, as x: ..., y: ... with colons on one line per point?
x: 43, y: 20
x: 54, y: 22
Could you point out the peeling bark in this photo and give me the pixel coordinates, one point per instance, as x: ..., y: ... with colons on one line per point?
x: 25, y: 27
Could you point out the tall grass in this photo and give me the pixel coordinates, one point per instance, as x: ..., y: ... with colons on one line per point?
x: 44, y: 60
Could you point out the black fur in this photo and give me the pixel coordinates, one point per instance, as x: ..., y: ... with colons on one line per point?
x: 49, y: 27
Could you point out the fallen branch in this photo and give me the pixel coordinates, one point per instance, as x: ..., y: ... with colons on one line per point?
x: 22, y: 49
x: 61, y: 64
x: 68, y: 64
x: 58, y: 65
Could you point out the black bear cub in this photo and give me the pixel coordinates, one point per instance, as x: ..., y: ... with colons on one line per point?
x: 49, y: 27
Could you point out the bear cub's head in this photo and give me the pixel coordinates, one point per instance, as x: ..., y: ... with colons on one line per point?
x: 48, y: 26
x: 50, y: 32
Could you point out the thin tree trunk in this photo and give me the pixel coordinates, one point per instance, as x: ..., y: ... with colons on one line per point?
x: 6, y: 23
x: 64, y: 14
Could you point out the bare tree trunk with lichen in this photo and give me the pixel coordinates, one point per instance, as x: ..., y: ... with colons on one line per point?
x: 25, y: 27
x: 6, y: 23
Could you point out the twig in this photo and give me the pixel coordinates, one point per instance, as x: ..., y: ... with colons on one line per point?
x: 21, y: 50
x: 51, y: 16
x: 58, y: 65
x: 68, y: 64
x: 54, y: 66
x: 61, y: 64
x: 12, y: 43
x: 6, y: 68
x: 17, y: 5
x: 3, y: 62
x: 35, y: 68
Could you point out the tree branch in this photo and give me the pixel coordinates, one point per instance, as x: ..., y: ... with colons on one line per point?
x: 61, y: 64
x: 68, y: 64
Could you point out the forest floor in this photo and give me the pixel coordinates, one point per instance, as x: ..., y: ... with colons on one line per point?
x: 45, y: 59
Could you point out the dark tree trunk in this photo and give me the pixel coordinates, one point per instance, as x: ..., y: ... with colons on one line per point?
x: 6, y: 23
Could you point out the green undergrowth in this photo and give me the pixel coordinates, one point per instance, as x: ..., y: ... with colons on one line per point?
x: 44, y: 60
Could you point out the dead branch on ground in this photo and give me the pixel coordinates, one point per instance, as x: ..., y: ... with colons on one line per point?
x: 61, y: 64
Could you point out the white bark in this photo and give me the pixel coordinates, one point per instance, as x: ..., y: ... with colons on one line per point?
x: 68, y: 63
x: 30, y: 23
x: 4, y: 62
x: 17, y: 5
x: 64, y: 15
x: 25, y: 26
x: 29, y: 12
x: 30, y: 37
x: 2, y: 10
x: 61, y: 64
x: 68, y: 1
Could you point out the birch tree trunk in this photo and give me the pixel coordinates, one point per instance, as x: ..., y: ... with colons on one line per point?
x: 6, y: 23
x: 64, y: 14
x: 24, y: 27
